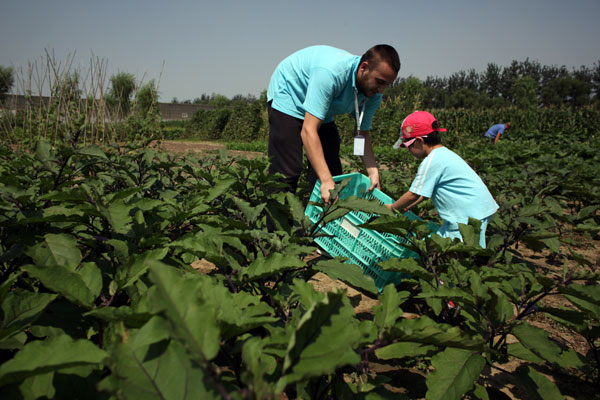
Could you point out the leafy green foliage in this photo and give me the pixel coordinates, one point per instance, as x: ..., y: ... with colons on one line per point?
x: 98, y: 248
x: 7, y: 80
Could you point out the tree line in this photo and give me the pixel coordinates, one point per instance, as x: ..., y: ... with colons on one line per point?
x: 522, y: 84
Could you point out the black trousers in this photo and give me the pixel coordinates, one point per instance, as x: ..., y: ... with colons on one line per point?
x: 285, y: 148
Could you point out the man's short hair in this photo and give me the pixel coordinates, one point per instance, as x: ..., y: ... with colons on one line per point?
x: 382, y: 52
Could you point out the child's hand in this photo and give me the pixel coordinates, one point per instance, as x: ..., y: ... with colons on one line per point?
x: 389, y: 206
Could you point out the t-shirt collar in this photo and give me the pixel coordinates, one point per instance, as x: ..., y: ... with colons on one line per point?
x: 354, y: 71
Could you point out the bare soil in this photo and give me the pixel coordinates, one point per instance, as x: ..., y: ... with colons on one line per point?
x: 203, y: 148
x: 411, y: 381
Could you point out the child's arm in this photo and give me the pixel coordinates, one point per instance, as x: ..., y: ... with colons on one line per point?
x: 420, y: 199
x: 407, y: 199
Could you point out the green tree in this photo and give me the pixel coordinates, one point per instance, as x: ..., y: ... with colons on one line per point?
x: 218, y: 100
x: 566, y: 91
x: 464, y: 98
x: 491, y: 80
x: 411, y: 94
x: 524, y: 92
x: 119, y: 96
x: 596, y: 80
x: 147, y: 99
x: 6, y: 80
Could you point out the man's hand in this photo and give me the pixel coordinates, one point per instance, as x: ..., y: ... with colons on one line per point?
x: 325, y: 188
x: 374, y: 177
x: 369, y: 161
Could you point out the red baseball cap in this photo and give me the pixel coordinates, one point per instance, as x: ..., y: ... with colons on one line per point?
x: 417, y: 124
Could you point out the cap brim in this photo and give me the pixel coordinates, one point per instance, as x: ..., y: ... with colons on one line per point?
x: 398, y: 143
x: 408, y: 142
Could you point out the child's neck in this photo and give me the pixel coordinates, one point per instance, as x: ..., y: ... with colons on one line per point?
x: 429, y: 149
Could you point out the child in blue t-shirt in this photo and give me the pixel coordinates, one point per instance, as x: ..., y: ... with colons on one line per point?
x: 456, y: 190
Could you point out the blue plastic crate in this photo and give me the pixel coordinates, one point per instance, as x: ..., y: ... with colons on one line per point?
x: 363, y: 247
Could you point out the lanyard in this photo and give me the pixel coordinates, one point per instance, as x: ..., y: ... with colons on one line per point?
x: 359, y: 116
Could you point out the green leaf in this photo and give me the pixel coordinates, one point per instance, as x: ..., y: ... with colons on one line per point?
x: 531, y: 210
x: 271, y: 265
x: 369, y: 206
x: 587, y: 298
x: 259, y: 364
x: 403, y: 350
x: 480, y: 392
x: 538, y: 384
x: 124, y: 313
x: 93, y: 151
x: 20, y: 308
x: 16, y: 341
x: 92, y: 277
x: 62, y: 280
x: 323, y: 340
x: 572, y: 319
x: 389, y: 311
x: 236, y: 313
x: 118, y: 216
x: 470, y: 232
x: 425, y: 330
x: 455, y: 373
x: 296, y: 206
x: 553, y: 244
x: 43, y: 154
x: 136, y: 266
x: 6, y: 286
x: 349, y: 273
x: 251, y: 212
x: 221, y: 186
x: 536, y: 340
x: 190, y: 319
x: 38, y: 386
x: 586, y: 212
x: 520, y: 351
x: 144, y: 368
x: 307, y: 294
x: 502, y: 307
x: 443, y: 292
x: 43, y: 356
x: 408, y: 266
x: 57, y: 250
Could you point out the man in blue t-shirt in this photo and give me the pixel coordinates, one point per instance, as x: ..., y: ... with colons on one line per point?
x: 456, y: 190
x: 307, y: 90
x: 496, y: 131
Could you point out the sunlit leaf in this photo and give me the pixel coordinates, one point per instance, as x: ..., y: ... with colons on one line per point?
x: 456, y: 371
x: 43, y: 356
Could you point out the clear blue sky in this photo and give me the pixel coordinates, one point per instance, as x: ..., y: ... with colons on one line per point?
x: 231, y: 47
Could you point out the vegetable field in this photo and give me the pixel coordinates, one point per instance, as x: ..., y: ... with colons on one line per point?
x: 101, y: 295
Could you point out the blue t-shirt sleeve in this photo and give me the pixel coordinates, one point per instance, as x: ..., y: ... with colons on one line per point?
x: 319, y: 93
x: 427, y: 176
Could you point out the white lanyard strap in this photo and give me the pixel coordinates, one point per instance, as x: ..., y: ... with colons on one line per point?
x: 359, y: 116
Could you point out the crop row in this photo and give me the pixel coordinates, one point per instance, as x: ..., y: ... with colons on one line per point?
x: 99, y: 297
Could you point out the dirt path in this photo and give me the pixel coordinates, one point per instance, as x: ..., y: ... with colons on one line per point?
x: 202, y: 148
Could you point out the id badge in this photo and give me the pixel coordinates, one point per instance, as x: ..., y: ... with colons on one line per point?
x: 359, y: 145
